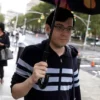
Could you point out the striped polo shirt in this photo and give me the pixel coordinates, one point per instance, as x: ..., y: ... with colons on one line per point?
x: 62, y: 71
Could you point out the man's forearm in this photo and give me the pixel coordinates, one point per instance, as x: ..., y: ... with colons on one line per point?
x: 21, y: 89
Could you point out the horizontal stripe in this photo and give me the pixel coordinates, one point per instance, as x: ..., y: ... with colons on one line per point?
x: 64, y: 88
x: 24, y: 64
x: 21, y: 72
x: 76, y: 84
x: 66, y: 79
x: 53, y: 70
x: 53, y: 79
x: 64, y: 71
x: 76, y: 72
x: 24, y: 76
x: 23, y: 68
x: 57, y: 83
x: 53, y: 88
x: 76, y: 81
x: 76, y: 75
x: 76, y: 78
x: 63, y: 79
x: 67, y: 71
x: 48, y: 88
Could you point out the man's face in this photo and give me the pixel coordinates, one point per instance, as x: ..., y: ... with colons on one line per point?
x: 62, y: 33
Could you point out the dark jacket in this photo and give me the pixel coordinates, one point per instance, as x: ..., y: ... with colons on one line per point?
x: 4, y: 39
x: 62, y: 72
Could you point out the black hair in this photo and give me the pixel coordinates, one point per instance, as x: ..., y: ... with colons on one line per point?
x: 62, y: 15
x: 2, y: 26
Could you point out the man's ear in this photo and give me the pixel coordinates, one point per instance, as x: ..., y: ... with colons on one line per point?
x: 0, y: 29
x: 47, y: 28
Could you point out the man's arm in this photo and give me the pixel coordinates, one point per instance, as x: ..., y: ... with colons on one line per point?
x: 76, y: 81
x: 21, y: 89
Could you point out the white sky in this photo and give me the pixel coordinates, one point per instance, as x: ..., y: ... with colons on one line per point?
x: 14, y: 5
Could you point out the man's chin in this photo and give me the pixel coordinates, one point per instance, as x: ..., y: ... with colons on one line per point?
x: 62, y: 45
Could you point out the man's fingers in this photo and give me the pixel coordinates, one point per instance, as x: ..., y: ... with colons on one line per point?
x: 42, y: 76
x: 39, y: 70
x: 42, y: 68
x: 42, y: 64
x: 42, y: 72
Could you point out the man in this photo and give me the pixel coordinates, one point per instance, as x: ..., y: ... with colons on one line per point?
x: 61, y: 65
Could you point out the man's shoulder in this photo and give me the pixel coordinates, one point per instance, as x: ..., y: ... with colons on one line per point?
x: 35, y: 48
x: 32, y: 52
x: 73, y: 50
x: 72, y: 47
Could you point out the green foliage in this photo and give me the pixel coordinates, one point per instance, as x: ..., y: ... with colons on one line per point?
x: 94, y: 23
x: 79, y: 25
x: 21, y: 20
x: 43, y: 8
x: 1, y: 18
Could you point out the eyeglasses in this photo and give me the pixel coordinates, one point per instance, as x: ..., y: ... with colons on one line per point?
x: 61, y: 28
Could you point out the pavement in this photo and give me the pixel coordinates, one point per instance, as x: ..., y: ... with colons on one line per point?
x: 90, y: 83
x: 5, y: 92
x: 90, y: 86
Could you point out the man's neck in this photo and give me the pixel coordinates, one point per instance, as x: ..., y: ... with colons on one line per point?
x: 59, y: 50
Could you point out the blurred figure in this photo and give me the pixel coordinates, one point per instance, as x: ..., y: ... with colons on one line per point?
x: 16, y: 38
x: 4, y: 43
x: 12, y: 37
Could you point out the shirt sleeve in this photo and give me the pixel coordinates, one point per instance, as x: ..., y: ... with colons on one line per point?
x: 24, y: 67
x: 76, y: 84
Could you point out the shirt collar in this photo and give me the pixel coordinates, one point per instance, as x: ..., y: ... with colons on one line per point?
x: 66, y: 53
x: 51, y: 51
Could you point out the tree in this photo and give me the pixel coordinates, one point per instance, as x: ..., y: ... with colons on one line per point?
x: 79, y: 25
x: 43, y: 8
x: 2, y: 18
x: 21, y: 19
x: 95, y: 24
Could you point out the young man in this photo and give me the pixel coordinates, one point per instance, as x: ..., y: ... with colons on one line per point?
x: 61, y: 65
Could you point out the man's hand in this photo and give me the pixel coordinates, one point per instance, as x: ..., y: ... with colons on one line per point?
x: 39, y: 71
x: 21, y: 89
x: 1, y: 44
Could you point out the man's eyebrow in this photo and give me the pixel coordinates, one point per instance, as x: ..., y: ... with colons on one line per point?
x: 62, y: 25
x: 59, y: 24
